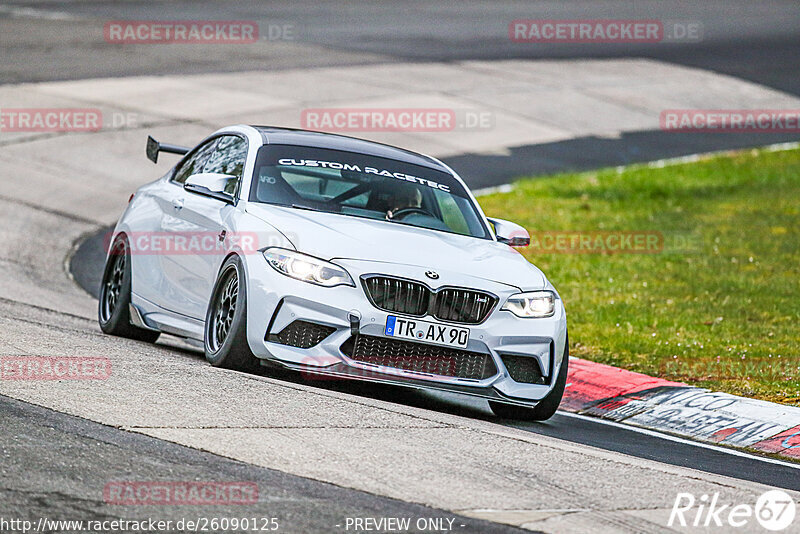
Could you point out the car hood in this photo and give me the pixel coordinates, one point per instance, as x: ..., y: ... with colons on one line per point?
x: 331, y: 236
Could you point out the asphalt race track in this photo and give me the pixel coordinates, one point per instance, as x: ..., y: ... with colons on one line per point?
x: 754, y: 41
x: 758, y: 42
x: 101, y: 453
x: 86, y: 269
x: 324, y: 452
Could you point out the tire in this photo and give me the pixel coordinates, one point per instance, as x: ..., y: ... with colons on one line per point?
x: 225, y: 337
x: 113, y: 310
x: 547, y: 406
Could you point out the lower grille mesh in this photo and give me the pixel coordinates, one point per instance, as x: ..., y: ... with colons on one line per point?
x: 301, y: 334
x: 418, y: 357
x: 523, y: 369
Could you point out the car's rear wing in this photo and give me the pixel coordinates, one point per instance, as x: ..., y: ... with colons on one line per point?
x: 154, y: 147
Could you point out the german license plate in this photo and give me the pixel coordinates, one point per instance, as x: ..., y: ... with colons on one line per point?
x: 427, y: 332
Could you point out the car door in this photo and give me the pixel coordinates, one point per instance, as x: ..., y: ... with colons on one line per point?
x: 150, y: 261
x: 203, y: 223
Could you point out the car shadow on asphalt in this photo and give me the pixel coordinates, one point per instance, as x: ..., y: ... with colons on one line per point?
x: 444, y: 402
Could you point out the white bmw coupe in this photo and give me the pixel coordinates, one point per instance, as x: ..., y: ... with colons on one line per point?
x: 335, y: 256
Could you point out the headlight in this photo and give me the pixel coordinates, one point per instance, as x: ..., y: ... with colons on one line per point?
x: 532, y: 304
x: 307, y: 268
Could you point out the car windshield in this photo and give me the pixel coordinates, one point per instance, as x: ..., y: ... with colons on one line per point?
x: 358, y: 185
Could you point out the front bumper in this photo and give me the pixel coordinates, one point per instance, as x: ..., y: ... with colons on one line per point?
x: 276, y: 301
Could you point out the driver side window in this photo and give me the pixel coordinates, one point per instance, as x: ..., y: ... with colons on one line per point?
x: 194, y: 164
x: 452, y: 214
x: 228, y: 158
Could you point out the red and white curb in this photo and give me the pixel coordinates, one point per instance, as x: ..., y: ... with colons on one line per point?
x: 630, y: 398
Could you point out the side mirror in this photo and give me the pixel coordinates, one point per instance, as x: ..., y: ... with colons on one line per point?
x: 211, y: 184
x: 511, y: 233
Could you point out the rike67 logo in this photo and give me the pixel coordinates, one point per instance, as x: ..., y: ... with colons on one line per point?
x: 775, y: 510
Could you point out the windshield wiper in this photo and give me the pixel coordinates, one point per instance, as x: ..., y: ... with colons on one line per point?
x: 302, y: 207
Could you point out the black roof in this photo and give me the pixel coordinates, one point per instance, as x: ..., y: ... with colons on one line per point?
x: 288, y: 136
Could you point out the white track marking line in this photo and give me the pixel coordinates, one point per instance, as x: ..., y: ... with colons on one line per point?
x: 505, y: 188
x: 658, y: 164
x: 692, y: 158
x: 34, y: 13
x: 676, y: 439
